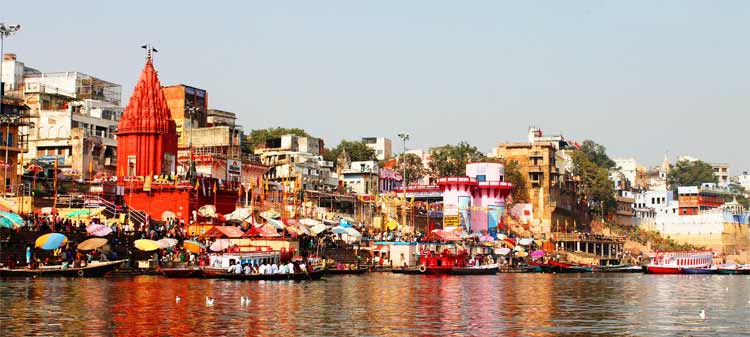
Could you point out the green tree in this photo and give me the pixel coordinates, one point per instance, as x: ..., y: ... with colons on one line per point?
x: 451, y: 160
x: 514, y: 176
x: 594, y: 185
x: 690, y: 173
x: 597, y: 154
x: 357, y: 151
x: 414, y: 167
x: 258, y: 137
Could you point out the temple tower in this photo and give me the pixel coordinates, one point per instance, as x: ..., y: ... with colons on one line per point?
x: 146, y: 133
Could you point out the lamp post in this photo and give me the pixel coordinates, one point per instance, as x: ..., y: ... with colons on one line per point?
x: 404, y: 137
x: 5, y: 31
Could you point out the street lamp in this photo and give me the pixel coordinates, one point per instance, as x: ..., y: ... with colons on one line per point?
x: 404, y: 137
x: 5, y: 31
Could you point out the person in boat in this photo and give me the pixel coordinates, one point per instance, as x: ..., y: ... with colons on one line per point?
x: 254, y: 269
x: 238, y: 268
x: 290, y: 268
x: 262, y: 268
x: 274, y: 268
x: 248, y: 269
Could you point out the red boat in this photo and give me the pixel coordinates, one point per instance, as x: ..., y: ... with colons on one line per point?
x: 678, y: 262
x: 438, y: 264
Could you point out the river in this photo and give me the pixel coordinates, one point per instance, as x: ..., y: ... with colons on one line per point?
x: 381, y: 304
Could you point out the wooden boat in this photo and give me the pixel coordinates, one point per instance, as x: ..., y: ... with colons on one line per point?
x: 209, y: 272
x: 566, y: 267
x: 93, y: 269
x: 678, y: 262
x: 490, y: 269
x: 181, y: 272
x: 521, y: 269
x: 356, y: 271
x: 699, y: 271
x: 620, y: 268
x: 408, y: 271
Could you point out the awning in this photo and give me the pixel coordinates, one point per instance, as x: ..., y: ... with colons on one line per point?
x: 224, y: 231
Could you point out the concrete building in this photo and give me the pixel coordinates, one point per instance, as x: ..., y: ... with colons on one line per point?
x: 624, y: 175
x: 694, y: 200
x: 625, y: 208
x: 742, y: 180
x: 14, y: 114
x: 361, y: 177
x: 551, y: 194
x: 390, y: 180
x: 293, y: 158
x: 721, y: 172
x: 74, y: 118
x: 189, y: 108
x: 381, y: 145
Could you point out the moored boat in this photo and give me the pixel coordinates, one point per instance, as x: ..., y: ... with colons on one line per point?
x: 622, y: 268
x: 181, y: 272
x: 680, y: 263
x: 355, y: 271
x: 93, y: 269
x: 567, y: 267
x: 490, y: 269
x: 210, y: 272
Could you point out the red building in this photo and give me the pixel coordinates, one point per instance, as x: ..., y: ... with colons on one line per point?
x: 694, y: 199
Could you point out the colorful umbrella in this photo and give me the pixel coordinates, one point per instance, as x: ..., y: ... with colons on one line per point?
x: 7, y: 223
x: 537, y: 253
x: 524, y: 242
x: 98, y: 230
x: 167, y: 243
x: 146, y: 245
x: 12, y: 217
x: 522, y: 254
x: 7, y: 205
x: 502, y: 251
x: 193, y: 246
x: 220, y: 245
x: 92, y: 243
x: 339, y: 230
x: 51, y: 241
x: 275, y: 223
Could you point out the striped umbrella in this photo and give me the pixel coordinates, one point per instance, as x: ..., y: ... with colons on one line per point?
x: 12, y: 217
x: 51, y: 241
x: 193, y: 246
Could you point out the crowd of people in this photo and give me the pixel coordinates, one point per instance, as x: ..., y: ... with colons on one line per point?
x: 267, y: 268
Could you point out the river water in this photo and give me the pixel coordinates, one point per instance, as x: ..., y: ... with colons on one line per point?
x: 381, y: 304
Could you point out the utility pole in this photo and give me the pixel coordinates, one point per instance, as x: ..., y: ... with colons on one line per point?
x: 404, y: 137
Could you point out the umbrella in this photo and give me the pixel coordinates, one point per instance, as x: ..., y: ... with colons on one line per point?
x: 503, y: 251
x: 98, y: 230
x: 352, y: 232
x: 51, y: 241
x: 146, y: 245
x: 166, y: 243
x: 220, y: 245
x: 339, y: 230
x: 344, y: 223
x: 501, y: 236
x: 193, y: 246
x: 537, y: 253
x: 5, y: 208
x: 12, y: 217
x: 522, y: 254
x: 78, y: 212
x: 167, y: 214
x: 519, y: 249
x: 270, y: 214
x: 207, y: 211
x: 7, y: 205
x: 309, y: 222
x: 275, y: 223
x: 92, y: 243
x: 239, y: 214
x: 302, y: 229
x: 524, y: 242
x: 7, y: 223
x: 486, y: 238
x: 317, y: 229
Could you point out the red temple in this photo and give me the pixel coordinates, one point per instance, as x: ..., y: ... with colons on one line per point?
x: 146, y: 136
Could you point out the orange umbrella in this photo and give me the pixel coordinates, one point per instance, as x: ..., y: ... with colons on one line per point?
x: 193, y: 246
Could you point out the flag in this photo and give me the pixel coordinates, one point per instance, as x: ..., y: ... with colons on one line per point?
x: 197, y: 185
x: 91, y: 169
x: 214, y: 187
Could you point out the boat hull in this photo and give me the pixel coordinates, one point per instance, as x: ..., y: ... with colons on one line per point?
x: 473, y: 271
x: 93, y: 270
x: 621, y: 269
x: 358, y: 271
x: 181, y: 272
x: 663, y: 270
x: 222, y: 273
x: 699, y: 271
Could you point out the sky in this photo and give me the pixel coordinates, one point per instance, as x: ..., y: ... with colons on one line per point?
x: 643, y: 78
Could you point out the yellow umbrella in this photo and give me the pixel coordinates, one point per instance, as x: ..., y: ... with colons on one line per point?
x: 521, y: 254
x: 92, y: 243
x: 146, y: 245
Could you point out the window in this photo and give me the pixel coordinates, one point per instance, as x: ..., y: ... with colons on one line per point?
x: 482, y: 177
x: 10, y: 139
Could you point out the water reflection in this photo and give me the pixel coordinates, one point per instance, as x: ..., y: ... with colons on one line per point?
x: 380, y: 304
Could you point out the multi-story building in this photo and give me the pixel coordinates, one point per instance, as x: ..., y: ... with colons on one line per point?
x: 742, y: 180
x: 189, y: 109
x: 390, y: 180
x: 293, y: 158
x: 71, y: 113
x: 625, y: 208
x: 361, y: 177
x: 551, y: 194
x: 696, y: 199
x: 381, y: 145
x: 624, y: 174
x: 721, y: 172
x: 14, y: 113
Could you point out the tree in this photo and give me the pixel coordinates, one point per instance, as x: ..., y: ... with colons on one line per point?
x: 597, y: 154
x: 357, y: 151
x: 451, y: 160
x: 690, y: 173
x: 514, y: 176
x: 258, y: 137
x: 594, y: 185
x: 415, y: 169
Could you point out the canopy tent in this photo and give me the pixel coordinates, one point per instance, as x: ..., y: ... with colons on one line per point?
x: 265, y: 231
x: 441, y: 235
x: 224, y: 231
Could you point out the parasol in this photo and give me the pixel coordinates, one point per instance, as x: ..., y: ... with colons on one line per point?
x: 146, y: 245
x: 166, y: 243
x: 352, y: 232
x: 317, y: 229
x: 12, y: 217
x: 524, y: 242
x: 193, y: 246
x: 502, y: 251
x: 275, y: 223
x: 537, y: 253
x: 522, y: 254
x: 51, y: 241
x: 98, y: 230
x: 92, y: 243
x: 220, y: 245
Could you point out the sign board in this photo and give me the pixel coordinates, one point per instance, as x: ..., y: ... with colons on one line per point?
x: 234, y: 167
x: 451, y: 221
x: 96, y: 189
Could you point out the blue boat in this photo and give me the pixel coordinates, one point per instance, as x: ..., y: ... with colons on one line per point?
x: 698, y: 271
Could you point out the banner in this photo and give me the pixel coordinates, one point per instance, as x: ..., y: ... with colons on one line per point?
x: 234, y: 167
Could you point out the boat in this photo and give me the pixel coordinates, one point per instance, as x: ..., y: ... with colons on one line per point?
x: 408, y: 271
x: 489, y: 269
x: 210, y: 272
x: 521, y: 269
x: 568, y: 267
x: 699, y: 271
x: 181, y: 272
x: 620, y: 268
x: 678, y: 262
x: 93, y: 269
x: 355, y: 271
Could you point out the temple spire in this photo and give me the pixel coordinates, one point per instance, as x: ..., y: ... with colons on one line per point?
x: 149, y: 51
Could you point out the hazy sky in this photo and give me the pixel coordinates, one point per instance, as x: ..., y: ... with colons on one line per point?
x: 641, y: 78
